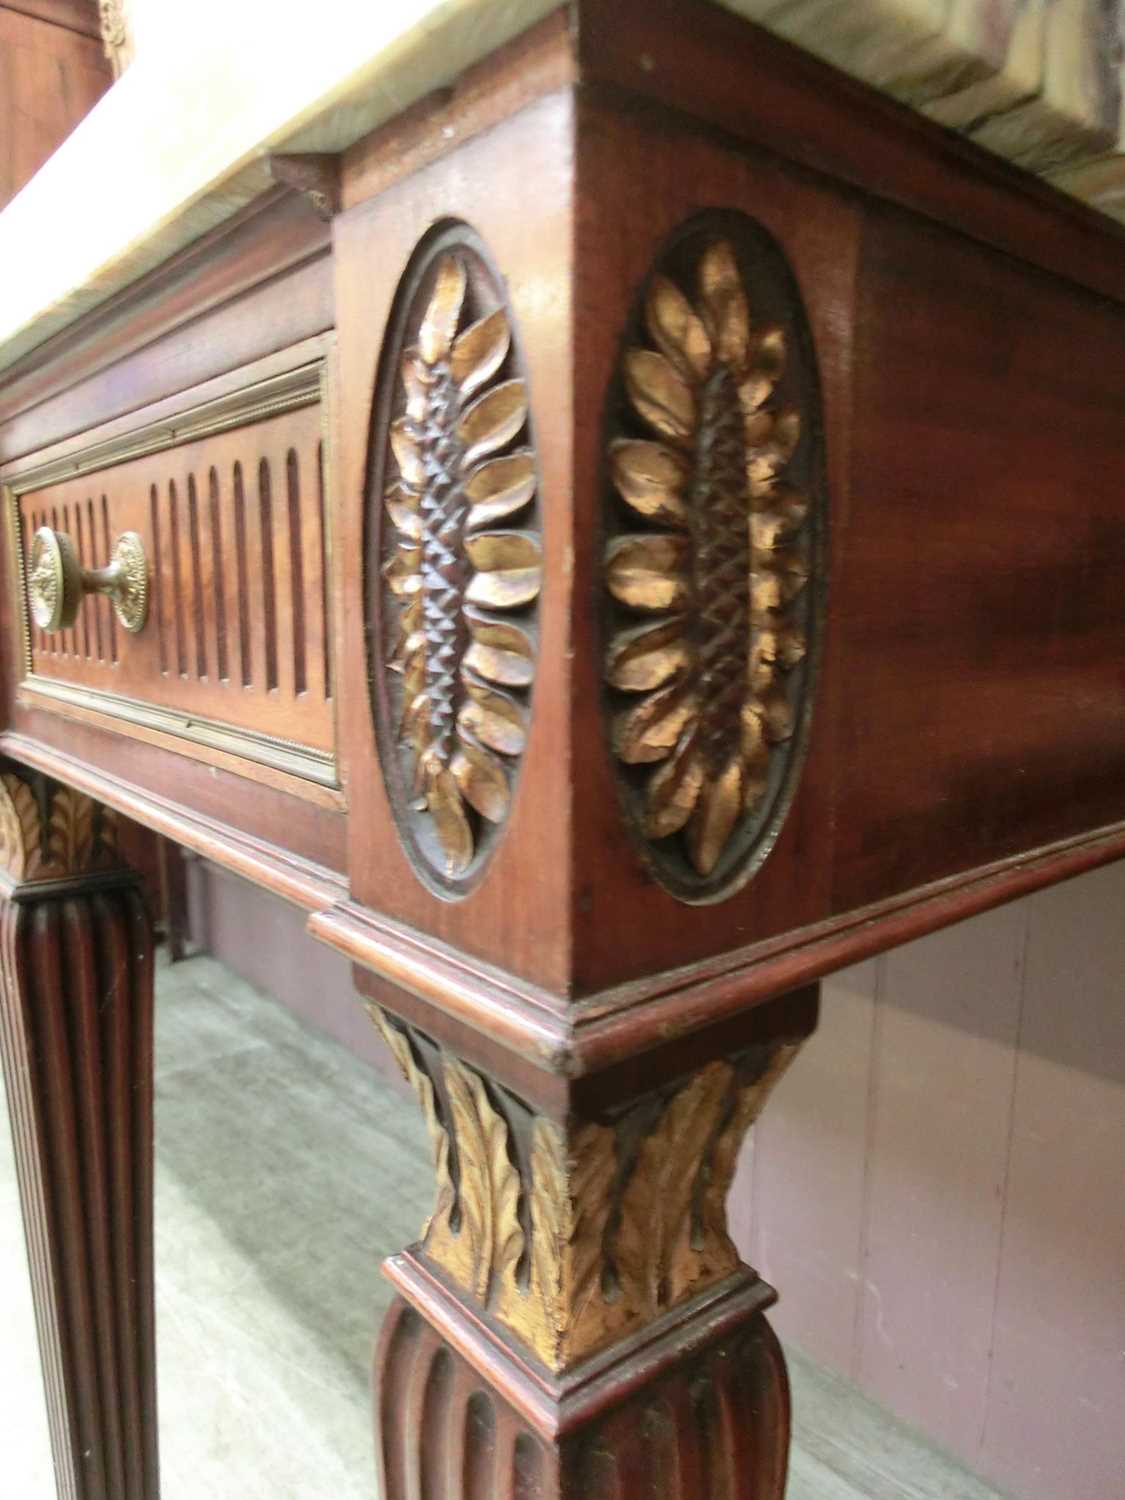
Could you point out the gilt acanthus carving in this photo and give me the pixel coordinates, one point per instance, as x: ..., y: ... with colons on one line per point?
x: 465, y: 567
x: 51, y: 832
x: 625, y: 1217
x: 710, y: 566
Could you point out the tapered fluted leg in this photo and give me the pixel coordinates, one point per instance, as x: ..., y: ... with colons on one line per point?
x: 76, y: 1042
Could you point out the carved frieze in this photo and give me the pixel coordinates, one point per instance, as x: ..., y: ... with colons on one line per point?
x: 574, y: 1236
x: 711, y: 567
x: 459, y: 557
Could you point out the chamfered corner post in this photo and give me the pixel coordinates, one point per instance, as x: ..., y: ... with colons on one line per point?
x: 76, y: 1034
x: 576, y: 1323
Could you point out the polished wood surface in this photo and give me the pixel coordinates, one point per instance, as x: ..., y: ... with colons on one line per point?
x: 667, y: 301
x: 52, y: 71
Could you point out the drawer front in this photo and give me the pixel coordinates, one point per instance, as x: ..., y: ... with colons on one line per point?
x: 235, y: 655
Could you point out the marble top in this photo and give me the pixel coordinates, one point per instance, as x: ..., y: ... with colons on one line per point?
x: 181, y: 141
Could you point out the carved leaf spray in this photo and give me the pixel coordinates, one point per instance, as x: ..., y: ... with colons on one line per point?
x: 466, y: 566
x: 711, y: 566
x: 626, y: 1216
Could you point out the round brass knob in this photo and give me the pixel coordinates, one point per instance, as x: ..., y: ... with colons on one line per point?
x: 57, y: 581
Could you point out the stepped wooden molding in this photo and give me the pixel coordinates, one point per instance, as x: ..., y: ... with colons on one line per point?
x: 575, y: 1235
x: 51, y: 832
x: 462, y: 564
x: 713, y: 561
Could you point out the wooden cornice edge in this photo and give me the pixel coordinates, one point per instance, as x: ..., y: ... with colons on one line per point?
x: 582, y: 1035
x: 307, y: 885
x: 576, y: 1036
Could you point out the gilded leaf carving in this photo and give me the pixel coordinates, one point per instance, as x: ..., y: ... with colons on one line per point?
x: 708, y: 571
x: 489, y: 1184
x: 714, y: 1252
x: 50, y: 832
x: 652, y: 1250
x: 437, y: 1225
x: 625, y: 1216
x: 463, y: 565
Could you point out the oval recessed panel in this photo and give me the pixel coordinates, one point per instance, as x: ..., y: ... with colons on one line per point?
x: 716, y: 524
x: 455, y: 565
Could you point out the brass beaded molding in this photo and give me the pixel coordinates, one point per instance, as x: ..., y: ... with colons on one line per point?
x: 459, y: 557
x: 715, y: 528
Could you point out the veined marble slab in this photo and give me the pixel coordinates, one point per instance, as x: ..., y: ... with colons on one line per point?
x: 1017, y: 80
x: 1076, y: 112
x: 917, y: 50
x: 181, y: 141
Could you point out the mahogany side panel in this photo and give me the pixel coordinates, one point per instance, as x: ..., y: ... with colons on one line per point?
x: 979, y: 597
x: 50, y: 77
x: 522, y: 218
x: 696, y: 57
x: 76, y: 1045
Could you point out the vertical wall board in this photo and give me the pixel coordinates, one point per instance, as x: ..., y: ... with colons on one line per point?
x: 942, y: 1097
x: 263, y: 939
x: 796, y: 1204
x: 1055, y: 1427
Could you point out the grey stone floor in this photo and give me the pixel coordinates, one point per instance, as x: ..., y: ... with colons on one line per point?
x: 284, y: 1171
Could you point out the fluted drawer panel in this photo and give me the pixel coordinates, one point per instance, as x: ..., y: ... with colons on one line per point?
x: 238, y: 636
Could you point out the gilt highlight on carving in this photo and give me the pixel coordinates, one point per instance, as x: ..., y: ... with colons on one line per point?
x: 714, y: 561
x: 462, y: 566
x: 625, y: 1217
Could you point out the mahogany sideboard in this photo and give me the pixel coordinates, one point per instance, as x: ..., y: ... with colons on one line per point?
x: 638, y: 530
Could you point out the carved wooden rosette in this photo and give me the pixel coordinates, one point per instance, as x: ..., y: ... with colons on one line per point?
x: 711, y: 567
x: 575, y: 1236
x: 460, y: 556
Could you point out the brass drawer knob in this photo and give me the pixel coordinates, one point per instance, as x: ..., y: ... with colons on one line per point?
x: 57, y: 582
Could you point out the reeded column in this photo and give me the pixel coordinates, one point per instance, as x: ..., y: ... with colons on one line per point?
x: 76, y: 980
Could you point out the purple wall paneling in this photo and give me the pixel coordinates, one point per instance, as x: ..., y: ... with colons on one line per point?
x: 943, y: 1069
x: 1055, y: 1421
x: 938, y: 1188
x: 263, y: 939
x: 797, y: 1204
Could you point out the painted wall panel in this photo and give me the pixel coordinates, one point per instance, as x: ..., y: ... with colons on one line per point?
x: 1054, y: 1426
x: 796, y: 1207
x: 942, y: 1068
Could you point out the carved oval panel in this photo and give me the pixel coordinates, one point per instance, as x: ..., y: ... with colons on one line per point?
x: 457, y: 566
x: 716, y: 523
